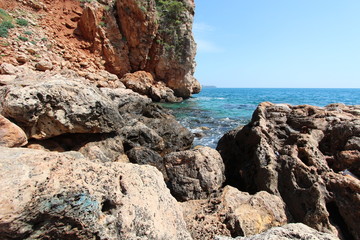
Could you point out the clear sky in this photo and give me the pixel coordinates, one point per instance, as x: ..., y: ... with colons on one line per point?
x: 278, y: 43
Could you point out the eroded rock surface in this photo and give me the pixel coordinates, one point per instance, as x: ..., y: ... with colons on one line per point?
x: 65, y: 196
x: 70, y: 112
x: 296, y: 152
x: 194, y: 174
x: 10, y: 134
x: 234, y: 213
x: 153, y: 36
x: 293, y: 231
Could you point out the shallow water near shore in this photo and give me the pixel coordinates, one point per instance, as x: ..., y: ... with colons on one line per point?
x: 215, y: 111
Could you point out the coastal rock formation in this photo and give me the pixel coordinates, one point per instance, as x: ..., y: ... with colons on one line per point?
x: 49, y: 195
x: 297, y: 152
x: 194, y: 174
x: 154, y: 36
x: 57, y: 108
x: 292, y: 231
x: 234, y: 213
x: 10, y: 134
x: 142, y: 82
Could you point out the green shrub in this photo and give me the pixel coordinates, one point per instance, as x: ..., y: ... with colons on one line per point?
x: 22, y: 22
x: 24, y: 39
x: 4, y: 16
x: 44, y: 39
x: 28, y: 32
x: 102, y: 24
x: 7, y: 24
x: 4, y: 32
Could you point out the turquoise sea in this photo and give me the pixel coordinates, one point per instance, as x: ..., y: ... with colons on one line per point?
x: 215, y: 111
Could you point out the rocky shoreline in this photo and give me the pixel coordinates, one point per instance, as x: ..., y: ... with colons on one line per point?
x: 87, y: 154
x: 108, y: 163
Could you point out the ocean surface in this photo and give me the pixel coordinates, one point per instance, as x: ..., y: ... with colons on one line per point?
x: 214, y: 111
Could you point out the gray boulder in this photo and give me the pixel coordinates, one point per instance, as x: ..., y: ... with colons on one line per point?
x: 194, y: 174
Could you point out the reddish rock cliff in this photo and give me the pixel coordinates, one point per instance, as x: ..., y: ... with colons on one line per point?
x: 155, y: 36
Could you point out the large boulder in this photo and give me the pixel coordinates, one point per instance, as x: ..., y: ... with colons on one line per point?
x: 194, y: 174
x: 142, y: 82
x: 234, y: 213
x: 59, y: 105
x: 10, y: 134
x: 292, y: 231
x: 303, y: 154
x: 65, y: 196
x: 70, y: 113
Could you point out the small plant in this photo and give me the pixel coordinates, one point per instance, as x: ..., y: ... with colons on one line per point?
x: 102, y: 24
x: 44, y: 39
x: 4, y: 44
x: 4, y: 32
x: 33, y: 42
x: 22, y: 22
x: 24, y: 39
x: 7, y: 24
x: 28, y: 32
x: 4, y: 16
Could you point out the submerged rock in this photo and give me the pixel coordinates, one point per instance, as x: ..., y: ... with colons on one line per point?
x: 294, y: 152
x: 65, y: 196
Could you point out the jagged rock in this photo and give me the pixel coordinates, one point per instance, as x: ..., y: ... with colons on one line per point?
x: 58, y: 105
x: 74, y: 113
x: 143, y: 155
x: 142, y: 82
x: 43, y: 65
x: 65, y: 196
x: 289, y: 151
x: 194, y: 174
x: 234, y: 213
x: 6, y: 68
x: 10, y: 134
x: 153, y: 36
x: 105, y: 148
x: 292, y: 231
x: 21, y: 58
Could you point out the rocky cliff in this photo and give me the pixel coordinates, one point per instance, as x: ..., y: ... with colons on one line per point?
x: 154, y: 36
x: 122, y: 37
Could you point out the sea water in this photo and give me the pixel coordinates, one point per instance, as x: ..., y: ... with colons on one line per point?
x: 214, y: 111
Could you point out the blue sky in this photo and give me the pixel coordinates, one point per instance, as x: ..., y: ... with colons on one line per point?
x: 278, y: 43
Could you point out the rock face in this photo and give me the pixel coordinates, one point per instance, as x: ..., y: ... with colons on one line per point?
x: 291, y: 231
x: 74, y: 113
x: 234, y: 213
x: 142, y: 82
x: 10, y: 134
x: 296, y: 152
x: 154, y: 36
x: 65, y: 196
x: 194, y: 174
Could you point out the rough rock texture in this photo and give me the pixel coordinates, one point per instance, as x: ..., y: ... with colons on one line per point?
x: 234, y: 213
x: 74, y: 113
x: 292, y: 231
x: 142, y: 82
x: 293, y: 151
x: 194, y: 174
x: 155, y: 36
x: 10, y: 134
x: 57, y: 106
x: 65, y: 196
